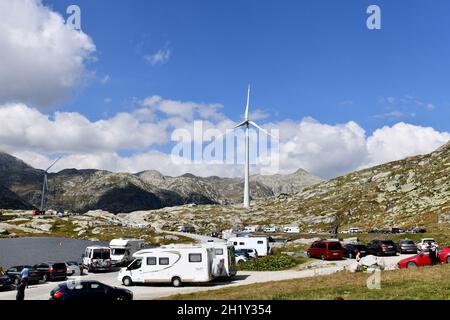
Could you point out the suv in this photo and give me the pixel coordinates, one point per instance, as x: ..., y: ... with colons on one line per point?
x: 52, y: 270
x: 15, y: 273
x: 326, y: 250
x: 424, y: 243
x: 381, y: 247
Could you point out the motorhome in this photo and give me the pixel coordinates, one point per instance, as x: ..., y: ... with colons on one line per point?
x: 224, y: 264
x: 176, y: 264
x: 291, y: 230
x: 97, y: 258
x: 122, y: 250
x: 260, y: 244
x: 270, y: 229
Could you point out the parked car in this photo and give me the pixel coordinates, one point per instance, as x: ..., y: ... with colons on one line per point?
x: 88, y: 290
x: 251, y: 252
x: 326, y: 250
x: 241, y: 256
x: 350, y: 250
x: 406, y: 246
x: 424, y: 243
x: 34, y: 276
x: 73, y: 268
x: 381, y: 248
x: 52, y: 270
x: 270, y: 229
x: 6, y: 282
x: 423, y: 258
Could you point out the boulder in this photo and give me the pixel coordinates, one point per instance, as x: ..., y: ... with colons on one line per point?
x: 368, y: 261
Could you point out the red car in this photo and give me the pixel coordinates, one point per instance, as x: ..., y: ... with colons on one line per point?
x: 326, y: 250
x: 423, y: 259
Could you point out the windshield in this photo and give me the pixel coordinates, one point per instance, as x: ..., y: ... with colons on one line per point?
x: 408, y: 242
x: 118, y: 251
x: 334, y: 246
x: 101, y: 254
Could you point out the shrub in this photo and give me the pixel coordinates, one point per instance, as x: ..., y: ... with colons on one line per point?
x: 269, y: 263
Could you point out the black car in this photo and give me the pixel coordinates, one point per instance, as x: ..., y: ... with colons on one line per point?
x: 351, y: 249
x: 87, y: 290
x: 6, y: 282
x: 15, y: 273
x: 52, y: 270
x: 407, y: 246
x: 381, y: 248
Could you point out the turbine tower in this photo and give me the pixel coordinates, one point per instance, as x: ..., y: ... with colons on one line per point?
x: 45, y: 185
x: 246, y: 124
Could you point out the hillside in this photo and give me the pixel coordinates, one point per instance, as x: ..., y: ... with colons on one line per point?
x: 84, y: 190
x: 411, y: 192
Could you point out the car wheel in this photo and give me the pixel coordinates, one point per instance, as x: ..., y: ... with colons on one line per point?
x: 448, y: 259
x: 308, y: 254
x: 127, y: 281
x: 121, y: 298
x: 45, y: 278
x: 350, y: 255
x: 411, y: 265
x: 322, y: 257
x: 176, y: 282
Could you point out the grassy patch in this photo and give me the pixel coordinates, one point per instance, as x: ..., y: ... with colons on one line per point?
x: 420, y: 284
x: 271, y: 263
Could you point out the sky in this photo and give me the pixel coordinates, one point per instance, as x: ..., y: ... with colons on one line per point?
x: 109, y: 96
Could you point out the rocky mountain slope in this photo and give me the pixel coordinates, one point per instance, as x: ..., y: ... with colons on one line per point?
x: 408, y: 193
x: 10, y: 200
x: 84, y: 190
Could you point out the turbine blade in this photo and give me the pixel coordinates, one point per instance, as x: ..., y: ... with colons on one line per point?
x: 243, y: 123
x: 54, y: 162
x: 259, y: 128
x: 248, y: 103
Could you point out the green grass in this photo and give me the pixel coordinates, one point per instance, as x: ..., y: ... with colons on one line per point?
x: 271, y: 263
x: 427, y: 283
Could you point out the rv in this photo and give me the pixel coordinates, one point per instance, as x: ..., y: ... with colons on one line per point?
x: 224, y: 264
x: 291, y: 230
x: 260, y: 244
x: 96, y: 258
x: 270, y: 229
x: 122, y: 250
x: 174, y: 264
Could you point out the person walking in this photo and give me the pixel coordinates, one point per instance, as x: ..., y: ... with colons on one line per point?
x: 358, y: 256
x: 20, y: 296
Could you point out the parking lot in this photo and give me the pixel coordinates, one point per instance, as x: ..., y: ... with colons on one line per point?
x: 145, y: 292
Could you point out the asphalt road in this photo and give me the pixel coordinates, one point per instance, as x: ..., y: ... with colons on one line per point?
x: 152, y: 291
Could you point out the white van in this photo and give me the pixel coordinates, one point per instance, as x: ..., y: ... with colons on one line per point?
x: 97, y: 258
x: 270, y: 229
x: 291, y: 230
x: 122, y: 250
x: 174, y: 264
x: 224, y: 264
x: 260, y: 244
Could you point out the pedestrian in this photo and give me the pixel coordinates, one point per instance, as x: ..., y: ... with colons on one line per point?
x: 24, y: 275
x: 433, y: 254
x: 358, y: 255
x: 20, y: 296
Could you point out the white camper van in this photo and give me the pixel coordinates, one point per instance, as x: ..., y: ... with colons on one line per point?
x: 224, y: 264
x: 291, y: 230
x: 97, y: 258
x: 122, y: 250
x: 250, y: 229
x: 170, y: 264
x: 260, y: 244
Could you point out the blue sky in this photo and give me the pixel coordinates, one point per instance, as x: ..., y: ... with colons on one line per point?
x: 303, y: 58
x: 111, y: 96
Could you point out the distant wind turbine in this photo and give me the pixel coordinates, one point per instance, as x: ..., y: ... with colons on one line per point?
x: 247, y: 123
x: 45, y: 184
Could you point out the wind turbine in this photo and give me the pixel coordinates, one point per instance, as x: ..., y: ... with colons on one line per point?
x: 246, y: 124
x: 45, y: 184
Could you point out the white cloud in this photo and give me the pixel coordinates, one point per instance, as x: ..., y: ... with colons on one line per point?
x: 326, y: 150
x: 162, y: 56
x: 402, y: 140
x: 41, y: 59
x: 105, y: 79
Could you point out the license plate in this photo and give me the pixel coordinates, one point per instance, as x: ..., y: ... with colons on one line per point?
x: 335, y: 254
x: 390, y: 247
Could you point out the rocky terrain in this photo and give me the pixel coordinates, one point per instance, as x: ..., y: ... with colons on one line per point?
x: 84, y: 190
